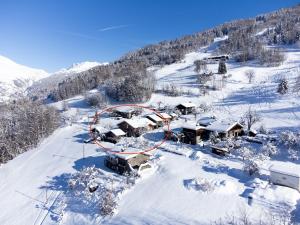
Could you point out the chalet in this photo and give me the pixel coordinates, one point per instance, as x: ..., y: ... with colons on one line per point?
x: 136, y: 127
x: 192, y: 134
x: 217, y: 58
x: 98, y: 132
x: 114, y: 135
x: 186, y: 108
x: 219, y: 150
x: 225, y: 129
x: 165, y: 117
x: 206, y: 121
x: 156, y: 119
x: 286, y: 174
x: 126, y: 112
x: 128, y: 163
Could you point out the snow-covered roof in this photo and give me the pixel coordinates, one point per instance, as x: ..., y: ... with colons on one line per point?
x: 125, y: 109
x: 140, y: 122
x: 192, y: 126
x: 222, y: 126
x: 100, y: 129
x: 117, y: 132
x: 134, y: 152
x: 155, y: 117
x: 188, y: 104
x: 164, y: 115
x: 286, y: 168
x: 206, y: 120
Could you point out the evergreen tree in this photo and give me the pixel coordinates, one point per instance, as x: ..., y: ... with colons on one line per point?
x: 282, y: 87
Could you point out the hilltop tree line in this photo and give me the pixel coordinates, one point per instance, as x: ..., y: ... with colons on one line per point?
x: 23, y: 124
x: 243, y: 43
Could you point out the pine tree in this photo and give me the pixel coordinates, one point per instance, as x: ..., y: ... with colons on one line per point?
x: 282, y: 87
x: 222, y: 67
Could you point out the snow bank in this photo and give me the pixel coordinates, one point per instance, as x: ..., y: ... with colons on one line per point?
x: 210, y: 186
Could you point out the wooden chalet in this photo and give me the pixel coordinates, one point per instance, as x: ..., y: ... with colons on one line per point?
x: 225, y: 129
x: 127, y: 163
x: 114, y: 135
x: 186, y: 108
x: 126, y: 112
x: 193, y: 134
x: 98, y: 132
x: 136, y: 127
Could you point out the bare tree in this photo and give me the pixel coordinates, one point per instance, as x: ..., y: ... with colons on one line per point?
x: 251, y: 117
x: 250, y: 74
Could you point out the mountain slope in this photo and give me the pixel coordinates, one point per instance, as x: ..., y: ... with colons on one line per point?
x: 16, y: 78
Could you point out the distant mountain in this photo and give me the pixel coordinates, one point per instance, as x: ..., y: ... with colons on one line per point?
x: 42, y: 86
x: 79, y: 67
x: 16, y: 78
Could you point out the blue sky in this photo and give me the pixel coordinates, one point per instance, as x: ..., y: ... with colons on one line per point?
x: 52, y: 34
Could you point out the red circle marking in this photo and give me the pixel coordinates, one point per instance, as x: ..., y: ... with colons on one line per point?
x: 130, y: 105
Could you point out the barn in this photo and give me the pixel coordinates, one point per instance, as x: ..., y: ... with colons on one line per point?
x: 136, y: 127
x: 286, y: 174
x: 186, y: 108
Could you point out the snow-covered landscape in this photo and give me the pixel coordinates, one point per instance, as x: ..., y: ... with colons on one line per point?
x: 68, y: 179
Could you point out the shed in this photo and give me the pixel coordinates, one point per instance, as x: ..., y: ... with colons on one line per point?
x: 186, y: 108
x: 286, y: 174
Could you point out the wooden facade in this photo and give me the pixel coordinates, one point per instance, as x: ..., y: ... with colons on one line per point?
x: 193, y: 135
x: 186, y: 108
x: 129, y: 164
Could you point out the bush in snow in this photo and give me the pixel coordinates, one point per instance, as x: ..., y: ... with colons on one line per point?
x: 283, y: 87
x: 108, y: 204
x: 214, y: 137
x: 269, y: 149
x: 271, y: 57
x: 291, y: 141
x: 251, y: 167
x: 263, y: 130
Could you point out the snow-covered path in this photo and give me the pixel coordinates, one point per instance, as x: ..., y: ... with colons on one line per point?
x: 22, y: 179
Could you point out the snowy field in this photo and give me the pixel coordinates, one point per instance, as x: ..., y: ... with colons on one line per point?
x: 193, y: 188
